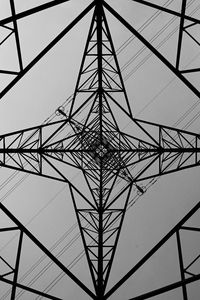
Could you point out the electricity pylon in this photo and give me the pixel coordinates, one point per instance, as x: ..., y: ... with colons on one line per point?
x: 90, y: 137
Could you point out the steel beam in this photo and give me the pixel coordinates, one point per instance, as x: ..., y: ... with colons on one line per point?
x: 46, y: 50
x: 31, y: 11
x: 146, y: 257
x: 23, y: 229
x: 153, y: 50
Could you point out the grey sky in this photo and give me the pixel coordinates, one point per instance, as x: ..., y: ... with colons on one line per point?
x: 155, y: 95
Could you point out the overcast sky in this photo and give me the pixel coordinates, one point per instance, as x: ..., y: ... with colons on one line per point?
x: 155, y: 95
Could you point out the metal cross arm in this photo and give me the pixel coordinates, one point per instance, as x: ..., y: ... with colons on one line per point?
x: 172, y: 150
x: 153, y: 150
x: 98, y: 136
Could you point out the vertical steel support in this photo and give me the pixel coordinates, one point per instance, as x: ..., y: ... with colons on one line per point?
x: 16, y: 270
x: 180, y: 33
x: 100, y: 283
x: 19, y: 54
x: 180, y: 256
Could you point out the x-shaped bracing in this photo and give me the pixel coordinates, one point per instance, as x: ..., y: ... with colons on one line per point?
x: 98, y: 146
x: 105, y: 155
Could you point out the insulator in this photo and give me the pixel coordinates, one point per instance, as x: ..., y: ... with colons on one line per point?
x: 78, y: 127
x: 60, y: 111
x: 140, y: 189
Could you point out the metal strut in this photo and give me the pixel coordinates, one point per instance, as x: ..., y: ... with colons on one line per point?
x: 96, y: 145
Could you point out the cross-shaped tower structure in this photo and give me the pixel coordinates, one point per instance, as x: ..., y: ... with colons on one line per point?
x: 112, y: 160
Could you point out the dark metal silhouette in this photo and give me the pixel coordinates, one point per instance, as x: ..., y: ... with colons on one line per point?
x: 94, y: 143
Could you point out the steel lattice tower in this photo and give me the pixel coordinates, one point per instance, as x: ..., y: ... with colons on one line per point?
x: 90, y: 138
